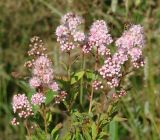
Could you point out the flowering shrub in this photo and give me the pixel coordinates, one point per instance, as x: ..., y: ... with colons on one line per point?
x: 81, y: 89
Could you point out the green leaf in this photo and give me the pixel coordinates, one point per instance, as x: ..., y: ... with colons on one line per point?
x: 35, y: 108
x: 119, y: 119
x: 77, y: 76
x: 49, y: 96
x: 137, y: 2
x: 114, y: 5
x: 64, y: 65
x: 113, y: 130
x: 103, y: 135
x: 87, y: 135
x: 67, y: 136
x: 56, y: 128
x: 49, y: 117
x: 94, y: 131
x: 90, y: 75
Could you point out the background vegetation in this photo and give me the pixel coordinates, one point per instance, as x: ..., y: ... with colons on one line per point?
x: 21, y: 19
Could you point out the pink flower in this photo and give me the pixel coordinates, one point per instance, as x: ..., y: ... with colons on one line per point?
x: 21, y: 106
x: 72, y: 21
x: 42, y: 68
x: 98, y: 35
x: 131, y: 44
x: 38, y: 99
x: 68, y: 34
x: 78, y: 36
x: 62, y: 31
x: 120, y: 57
x: 35, y: 82
x: 97, y: 85
x: 14, y: 121
x: 135, y: 53
x: 61, y: 97
x: 54, y: 86
x: 111, y: 71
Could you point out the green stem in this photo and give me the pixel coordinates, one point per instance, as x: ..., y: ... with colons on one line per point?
x: 81, y: 82
x: 91, y: 99
x: 43, y: 114
x: 95, y: 67
x: 45, y: 122
x: 69, y: 66
x: 28, y: 132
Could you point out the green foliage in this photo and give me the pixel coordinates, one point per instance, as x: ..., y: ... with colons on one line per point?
x: 77, y: 76
x: 139, y: 110
x: 50, y: 96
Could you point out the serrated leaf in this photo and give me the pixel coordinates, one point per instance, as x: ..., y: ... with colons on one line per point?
x: 77, y: 76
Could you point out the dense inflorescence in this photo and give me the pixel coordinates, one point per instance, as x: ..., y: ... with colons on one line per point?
x: 38, y: 99
x: 97, y: 85
x: 99, y: 36
x: 131, y: 44
x: 21, y: 106
x: 111, y: 71
x: 68, y: 34
x: 42, y: 71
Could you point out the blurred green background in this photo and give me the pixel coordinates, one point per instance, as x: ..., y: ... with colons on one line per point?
x: 21, y: 19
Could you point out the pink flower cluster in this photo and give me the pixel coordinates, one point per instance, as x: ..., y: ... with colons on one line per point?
x: 97, y: 85
x: 68, y: 34
x: 14, y: 121
x: 111, y: 71
x: 120, y: 94
x: 98, y: 37
x: 42, y: 71
x: 61, y: 97
x: 43, y: 74
x: 38, y: 99
x: 21, y: 106
x: 131, y: 44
